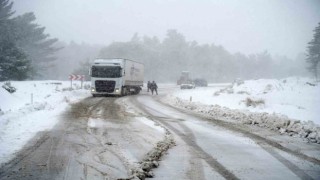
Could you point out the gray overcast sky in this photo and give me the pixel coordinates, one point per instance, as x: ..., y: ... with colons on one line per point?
x: 248, y: 26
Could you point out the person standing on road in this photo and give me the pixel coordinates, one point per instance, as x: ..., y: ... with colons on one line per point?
x: 149, y: 85
x: 154, y: 87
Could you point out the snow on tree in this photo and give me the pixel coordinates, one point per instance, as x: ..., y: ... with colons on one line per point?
x: 313, y: 55
x: 36, y: 44
x: 14, y: 64
x: 25, y: 50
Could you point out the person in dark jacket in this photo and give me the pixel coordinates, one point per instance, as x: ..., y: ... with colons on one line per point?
x: 148, y: 85
x: 154, y: 87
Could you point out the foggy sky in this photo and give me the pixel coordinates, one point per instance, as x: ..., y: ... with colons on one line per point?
x: 282, y: 27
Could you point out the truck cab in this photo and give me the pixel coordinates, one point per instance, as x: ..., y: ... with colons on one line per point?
x: 115, y: 77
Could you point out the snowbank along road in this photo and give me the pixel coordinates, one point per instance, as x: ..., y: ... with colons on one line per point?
x: 138, y: 137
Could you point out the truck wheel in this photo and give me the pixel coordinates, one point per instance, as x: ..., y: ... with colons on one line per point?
x: 123, y: 91
x: 137, y: 91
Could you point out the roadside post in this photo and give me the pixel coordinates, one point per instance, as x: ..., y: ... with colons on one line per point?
x: 71, y: 76
x: 82, y: 79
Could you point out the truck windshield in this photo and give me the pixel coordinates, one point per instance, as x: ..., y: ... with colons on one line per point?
x: 106, y: 71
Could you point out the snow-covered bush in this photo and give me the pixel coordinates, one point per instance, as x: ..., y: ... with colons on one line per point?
x: 67, y: 89
x: 253, y: 102
x: 238, y: 82
x: 39, y: 106
x: 311, y: 84
x: 7, y: 86
x: 66, y: 99
x: 228, y: 90
x: 57, y: 88
x: 267, y: 89
x: 243, y: 92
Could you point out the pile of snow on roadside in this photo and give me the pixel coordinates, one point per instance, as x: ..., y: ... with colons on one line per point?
x: 276, y: 122
x: 151, y: 160
x: 286, y: 100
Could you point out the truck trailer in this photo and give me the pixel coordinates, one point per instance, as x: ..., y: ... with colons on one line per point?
x: 116, y: 77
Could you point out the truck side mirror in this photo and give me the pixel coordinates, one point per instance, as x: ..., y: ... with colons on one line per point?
x: 89, y: 72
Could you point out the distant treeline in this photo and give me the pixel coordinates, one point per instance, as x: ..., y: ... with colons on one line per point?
x: 164, y: 60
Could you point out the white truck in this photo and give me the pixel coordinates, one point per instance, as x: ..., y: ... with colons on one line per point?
x: 116, y: 77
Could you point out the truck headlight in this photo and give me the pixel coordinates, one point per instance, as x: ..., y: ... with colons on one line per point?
x: 117, y: 90
x: 93, y: 90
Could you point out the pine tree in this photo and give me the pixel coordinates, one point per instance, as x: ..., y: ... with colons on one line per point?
x: 36, y: 44
x: 5, y: 22
x: 313, y: 55
x: 5, y: 10
x: 13, y: 62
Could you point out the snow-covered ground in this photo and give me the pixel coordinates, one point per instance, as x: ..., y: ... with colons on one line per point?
x: 37, y: 106
x: 289, y: 105
x: 34, y: 107
x: 292, y: 97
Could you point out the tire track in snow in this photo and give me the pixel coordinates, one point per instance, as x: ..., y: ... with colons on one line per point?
x: 295, y: 169
x: 5, y: 169
x: 264, y: 143
x: 258, y: 139
x: 189, y: 139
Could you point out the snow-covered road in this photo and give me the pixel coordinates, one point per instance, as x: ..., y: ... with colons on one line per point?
x: 95, y: 139
x: 137, y: 137
x: 206, y: 150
